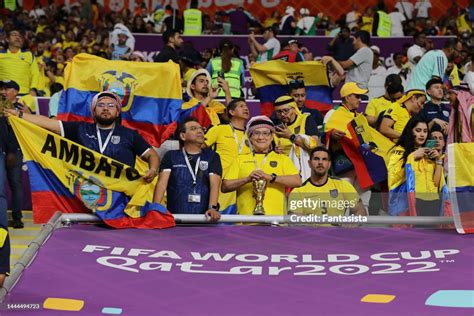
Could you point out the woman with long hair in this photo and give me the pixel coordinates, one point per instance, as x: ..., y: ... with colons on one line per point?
x: 227, y: 67
x: 415, y: 172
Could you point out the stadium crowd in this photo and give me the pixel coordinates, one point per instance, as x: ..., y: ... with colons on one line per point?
x: 419, y: 105
x: 424, y: 94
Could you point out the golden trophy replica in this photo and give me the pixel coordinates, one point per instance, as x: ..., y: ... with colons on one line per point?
x: 259, y: 187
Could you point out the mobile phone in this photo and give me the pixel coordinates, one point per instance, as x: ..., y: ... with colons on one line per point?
x: 430, y: 143
x: 220, y: 74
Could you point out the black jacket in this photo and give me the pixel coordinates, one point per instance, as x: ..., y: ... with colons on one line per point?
x: 8, y: 143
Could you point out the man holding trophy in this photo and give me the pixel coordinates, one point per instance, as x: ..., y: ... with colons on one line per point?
x: 260, y: 177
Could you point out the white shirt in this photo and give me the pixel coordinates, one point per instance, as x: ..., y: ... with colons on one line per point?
x: 351, y: 19
x: 395, y: 70
x: 422, y: 7
x: 415, y: 51
x: 408, y: 6
x: 397, y: 27
x: 377, y: 81
x: 273, y: 48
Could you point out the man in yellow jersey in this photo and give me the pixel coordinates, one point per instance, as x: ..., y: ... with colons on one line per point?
x: 398, y: 115
x: 229, y: 141
x: 377, y: 106
x: 18, y: 64
x: 297, y: 133
x: 262, y: 164
x: 200, y: 91
x: 324, y: 195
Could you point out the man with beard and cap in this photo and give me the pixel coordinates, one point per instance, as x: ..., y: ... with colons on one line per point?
x: 105, y: 135
x: 336, y: 196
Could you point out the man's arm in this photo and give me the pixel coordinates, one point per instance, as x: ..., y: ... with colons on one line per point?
x: 161, y: 186
x: 359, y: 209
x: 346, y: 64
x: 259, y: 47
x: 233, y: 185
x: 42, y: 121
x: 153, y: 160
x: 387, y: 130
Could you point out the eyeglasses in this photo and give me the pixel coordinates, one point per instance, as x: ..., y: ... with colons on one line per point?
x: 283, y: 111
x: 296, y: 83
x: 106, y: 105
x: 264, y: 134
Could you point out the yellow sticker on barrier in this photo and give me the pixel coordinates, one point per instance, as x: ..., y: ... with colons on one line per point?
x: 63, y: 304
x: 3, y: 236
x: 378, y: 298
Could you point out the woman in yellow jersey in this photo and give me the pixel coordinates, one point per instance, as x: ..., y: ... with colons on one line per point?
x: 397, y: 116
x: 263, y: 163
x: 415, y: 160
x: 229, y: 141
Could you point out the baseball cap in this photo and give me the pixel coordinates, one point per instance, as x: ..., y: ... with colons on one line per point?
x: 110, y: 94
x: 10, y: 84
x: 352, y: 88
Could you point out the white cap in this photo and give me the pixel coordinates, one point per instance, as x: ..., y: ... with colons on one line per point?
x: 375, y: 49
x: 289, y: 10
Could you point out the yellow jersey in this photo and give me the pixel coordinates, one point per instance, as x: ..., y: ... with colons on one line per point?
x: 377, y: 106
x: 333, y: 198
x: 274, y: 200
x: 400, y: 115
x: 20, y: 67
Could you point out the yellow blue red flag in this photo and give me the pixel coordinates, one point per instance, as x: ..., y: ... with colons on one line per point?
x: 151, y: 93
x: 71, y: 178
x: 273, y: 77
x: 461, y: 185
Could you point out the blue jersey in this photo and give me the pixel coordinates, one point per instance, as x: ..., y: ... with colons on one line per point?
x: 180, y: 184
x: 124, y: 143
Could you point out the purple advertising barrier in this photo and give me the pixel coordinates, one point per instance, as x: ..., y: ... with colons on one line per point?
x: 249, y: 270
x: 150, y: 44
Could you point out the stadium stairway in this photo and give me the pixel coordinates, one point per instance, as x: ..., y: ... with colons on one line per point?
x: 21, y: 238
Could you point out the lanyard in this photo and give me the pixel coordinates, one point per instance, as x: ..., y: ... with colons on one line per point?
x: 193, y: 174
x: 241, y: 145
x: 262, y: 164
x: 107, y: 140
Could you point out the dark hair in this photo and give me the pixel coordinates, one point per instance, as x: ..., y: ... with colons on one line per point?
x: 451, y: 43
x: 232, y: 105
x: 406, y: 140
x: 55, y: 87
x: 393, y: 84
x: 227, y: 51
x: 319, y: 148
x: 418, y: 35
x: 169, y: 34
x: 182, y: 128
x: 397, y: 54
x: 364, y: 37
x: 295, y: 84
x: 432, y: 81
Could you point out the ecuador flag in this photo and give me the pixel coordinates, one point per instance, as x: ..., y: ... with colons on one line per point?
x: 461, y: 185
x: 68, y: 177
x: 273, y: 77
x: 364, y: 146
x: 150, y: 92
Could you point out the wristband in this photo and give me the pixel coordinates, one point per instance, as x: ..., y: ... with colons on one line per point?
x: 292, y: 138
x: 213, y: 207
x: 20, y: 114
x: 439, y: 162
x: 274, y: 177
